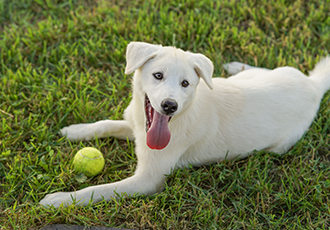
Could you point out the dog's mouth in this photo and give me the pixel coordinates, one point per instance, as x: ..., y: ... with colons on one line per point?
x: 158, y: 134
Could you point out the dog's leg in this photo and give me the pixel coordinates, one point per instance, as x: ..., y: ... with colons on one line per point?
x: 94, y: 194
x: 148, y: 179
x: 79, y: 132
x: 236, y: 67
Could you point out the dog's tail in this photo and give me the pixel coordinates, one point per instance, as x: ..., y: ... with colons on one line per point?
x: 321, y: 74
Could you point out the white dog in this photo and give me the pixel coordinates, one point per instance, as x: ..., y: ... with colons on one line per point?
x: 177, y: 120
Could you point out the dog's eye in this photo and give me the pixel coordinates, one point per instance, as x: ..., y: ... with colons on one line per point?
x: 185, y: 83
x: 158, y: 75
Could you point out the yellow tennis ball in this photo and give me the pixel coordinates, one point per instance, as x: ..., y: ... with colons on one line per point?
x: 89, y: 161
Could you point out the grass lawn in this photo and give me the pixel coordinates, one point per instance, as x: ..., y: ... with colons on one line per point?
x: 62, y: 62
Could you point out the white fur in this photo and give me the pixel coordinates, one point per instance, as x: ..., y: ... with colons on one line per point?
x: 254, y: 110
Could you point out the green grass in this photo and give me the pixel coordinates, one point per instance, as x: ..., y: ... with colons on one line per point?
x: 62, y: 62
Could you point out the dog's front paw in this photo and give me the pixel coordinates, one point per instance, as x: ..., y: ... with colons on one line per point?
x: 79, y: 132
x: 56, y: 199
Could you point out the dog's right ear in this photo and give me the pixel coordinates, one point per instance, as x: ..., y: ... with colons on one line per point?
x: 138, y: 53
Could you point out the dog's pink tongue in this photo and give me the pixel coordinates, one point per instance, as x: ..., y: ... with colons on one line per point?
x: 158, y: 136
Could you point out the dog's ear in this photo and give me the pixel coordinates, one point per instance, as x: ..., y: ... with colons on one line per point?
x: 138, y: 53
x: 204, y: 68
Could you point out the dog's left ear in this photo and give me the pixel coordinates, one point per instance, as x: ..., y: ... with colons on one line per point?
x: 138, y: 53
x: 204, y: 68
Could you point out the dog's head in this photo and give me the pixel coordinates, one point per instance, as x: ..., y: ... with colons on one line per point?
x: 167, y: 78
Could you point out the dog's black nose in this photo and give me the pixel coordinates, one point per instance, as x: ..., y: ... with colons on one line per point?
x: 169, y: 106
